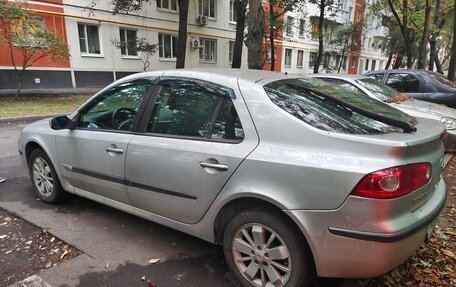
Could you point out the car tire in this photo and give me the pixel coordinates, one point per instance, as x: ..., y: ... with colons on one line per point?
x: 45, y: 181
x: 262, y: 257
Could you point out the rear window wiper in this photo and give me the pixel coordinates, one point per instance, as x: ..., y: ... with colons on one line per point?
x: 406, y: 127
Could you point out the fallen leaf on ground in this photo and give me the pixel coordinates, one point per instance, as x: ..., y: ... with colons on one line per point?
x: 153, y: 260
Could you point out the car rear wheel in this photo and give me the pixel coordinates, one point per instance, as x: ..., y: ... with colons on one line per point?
x: 44, y: 178
x: 263, y: 249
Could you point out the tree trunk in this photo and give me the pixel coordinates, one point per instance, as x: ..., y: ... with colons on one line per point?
x: 390, y: 58
x: 422, y: 49
x: 255, y: 24
x: 241, y: 7
x: 182, y: 34
x: 271, y: 34
x: 432, y: 52
x: 452, y: 67
x: 433, y: 38
x: 321, y: 18
x: 438, y: 65
x: 20, y: 80
x: 398, y: 62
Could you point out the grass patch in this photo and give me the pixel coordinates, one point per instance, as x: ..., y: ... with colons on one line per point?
x: 35, y: 106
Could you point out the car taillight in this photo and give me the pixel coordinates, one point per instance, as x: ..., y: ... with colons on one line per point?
x: 394, y: 181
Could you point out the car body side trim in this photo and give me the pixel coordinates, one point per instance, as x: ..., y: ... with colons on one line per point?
x: 160, y: 190
x: 128, y: 182
x: 97, y: 175
x: 388, y: 237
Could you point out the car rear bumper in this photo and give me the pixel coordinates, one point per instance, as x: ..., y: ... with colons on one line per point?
x: 361, y: 242
x: 449, y: 141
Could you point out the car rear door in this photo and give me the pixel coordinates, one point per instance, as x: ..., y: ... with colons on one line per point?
x: 194, y: 136
x: 92, y: 156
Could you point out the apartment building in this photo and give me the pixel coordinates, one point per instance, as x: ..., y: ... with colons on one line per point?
x: 90, y: 28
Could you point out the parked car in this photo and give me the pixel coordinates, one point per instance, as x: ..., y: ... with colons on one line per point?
x: 419, y: 84
x: 414, y: 107
x: 295, y: 177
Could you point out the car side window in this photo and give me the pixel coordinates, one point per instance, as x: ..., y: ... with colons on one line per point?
x: 227, y: 125
x: 188, y: 107
x: 404, y: 83
x: 116, y: 109
x: 377, y: 76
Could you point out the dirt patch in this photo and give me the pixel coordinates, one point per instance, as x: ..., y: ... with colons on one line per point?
x: 434, y: 264
x: 26, y: 249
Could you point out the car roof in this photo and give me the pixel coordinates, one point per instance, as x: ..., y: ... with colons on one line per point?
x: 399, y: 71
x: 253, y: 76
x: 339, y: 76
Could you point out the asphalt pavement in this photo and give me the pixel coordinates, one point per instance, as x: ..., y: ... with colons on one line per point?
x: 116, y: 246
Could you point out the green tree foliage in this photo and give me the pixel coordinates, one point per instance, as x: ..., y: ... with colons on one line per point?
x: 27, y: 39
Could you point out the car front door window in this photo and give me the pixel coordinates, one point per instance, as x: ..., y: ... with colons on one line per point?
x: 117, y: 108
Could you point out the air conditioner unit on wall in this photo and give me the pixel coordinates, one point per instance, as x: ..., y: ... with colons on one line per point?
x: 195, y: 43
x: 201, y: 19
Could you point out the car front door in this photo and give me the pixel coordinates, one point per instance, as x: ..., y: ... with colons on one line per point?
x: 92, y: 156
x: 196, y: 136
x: 405, y: 83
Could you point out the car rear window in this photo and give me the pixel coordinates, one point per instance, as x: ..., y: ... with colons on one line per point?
x: 441, y: 79
x: 381, y: 91
x: 306, y: 100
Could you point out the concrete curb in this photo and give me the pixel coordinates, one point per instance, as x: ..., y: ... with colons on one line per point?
x: 32, y: 281
x: 27, y: 118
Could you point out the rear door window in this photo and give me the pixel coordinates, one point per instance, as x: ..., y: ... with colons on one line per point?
x: 404, y: 83
x: 303, y: 99
x: 193, y: 108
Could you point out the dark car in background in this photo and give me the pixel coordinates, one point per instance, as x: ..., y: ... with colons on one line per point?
x: 419, y: 84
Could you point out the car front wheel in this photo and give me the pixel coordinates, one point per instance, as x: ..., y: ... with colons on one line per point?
x: 44, y: 178
x: 263, y: 249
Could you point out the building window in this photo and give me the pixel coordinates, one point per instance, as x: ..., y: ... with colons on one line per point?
x: 300, y: 59
x: 353, y: 62
x: 314, y: 32
x: 312, y: 59
x: 374, y: 63
x: 366, y: 66
x: 167, y: 4
x: 208, y: 52
x: 230, y: 51
x: 289, y: 27
x: 269, y: 55
x: 89, y: 39
x: 288, y: 57
x: 302, y: 27
x: 167, y: 46
x: 128, y: 42
x: 233, y: 12
x: 207, y: 8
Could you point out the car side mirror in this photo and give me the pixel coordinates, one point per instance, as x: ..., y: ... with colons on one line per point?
x: 61, y: 123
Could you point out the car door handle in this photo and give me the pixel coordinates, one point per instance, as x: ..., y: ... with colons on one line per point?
x: 114, y: 149
x: 217, y: 166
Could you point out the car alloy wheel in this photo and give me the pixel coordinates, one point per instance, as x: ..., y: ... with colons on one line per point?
x: 42, y: 177
x: 261, y: 255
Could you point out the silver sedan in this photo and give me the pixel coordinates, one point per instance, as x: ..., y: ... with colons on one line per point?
x: 295, y: 177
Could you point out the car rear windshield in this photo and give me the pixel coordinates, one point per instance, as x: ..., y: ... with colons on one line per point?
x: 441, y: 79
x: 315, y: 102
x: 381, y: 91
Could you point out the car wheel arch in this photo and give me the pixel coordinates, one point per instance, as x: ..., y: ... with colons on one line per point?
x: 30, y: 146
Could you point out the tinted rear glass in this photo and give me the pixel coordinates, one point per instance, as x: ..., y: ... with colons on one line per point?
x: 381, y: 91
x: 302, y: 99
x: 441, y: 79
